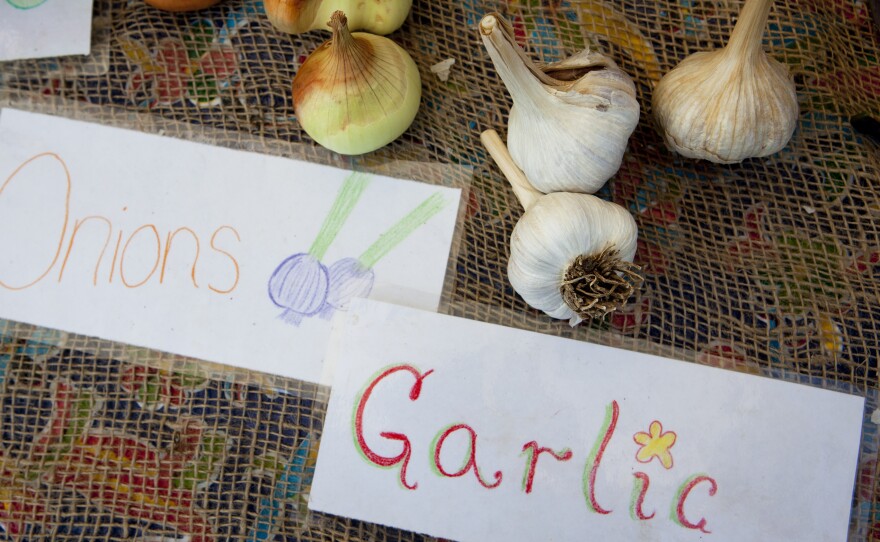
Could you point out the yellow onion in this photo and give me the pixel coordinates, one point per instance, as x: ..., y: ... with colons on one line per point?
x: 375, y: 16
x: 357, y: 92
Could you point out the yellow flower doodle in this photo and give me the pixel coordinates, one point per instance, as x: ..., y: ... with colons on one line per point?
x: 655, y: 443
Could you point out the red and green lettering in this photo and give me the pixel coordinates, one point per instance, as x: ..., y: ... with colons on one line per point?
x: 534, y: 451
x: 358, y: 424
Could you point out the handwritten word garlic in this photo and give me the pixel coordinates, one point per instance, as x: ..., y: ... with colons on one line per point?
x: 181, y: 5
x: 570, y: 121
x: 570, y: 254
x: 375, y: 16
x: 730, y: 104
x: 357, y: 92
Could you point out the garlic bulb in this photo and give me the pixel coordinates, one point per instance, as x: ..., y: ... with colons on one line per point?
x: 570, y: 121
x: 730, y: 104
x: 298, y: 16
x: 181, y: 5
x: 357, y: 92
x: 570, y: 254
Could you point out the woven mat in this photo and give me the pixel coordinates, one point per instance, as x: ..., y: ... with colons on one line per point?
x: 768, y: 267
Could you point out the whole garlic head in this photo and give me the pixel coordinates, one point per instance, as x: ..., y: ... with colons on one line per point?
x: 567, y: 254
x: 730, y: 104
x: 570, y: 254
x: 570, y: 121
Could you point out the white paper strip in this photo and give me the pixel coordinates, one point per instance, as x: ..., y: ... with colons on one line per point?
x: 223, y: 255
x: 44, y: 28
x: 476, y: 432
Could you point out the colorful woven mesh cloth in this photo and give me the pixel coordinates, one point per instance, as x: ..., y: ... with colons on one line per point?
x: 769, y: 266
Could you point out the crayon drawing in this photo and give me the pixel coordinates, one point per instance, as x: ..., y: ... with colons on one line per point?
x: 303, y: 286
x: 26, y: 4
x: 163, y: 263
x: 655, y: 443
x: 44, y: 28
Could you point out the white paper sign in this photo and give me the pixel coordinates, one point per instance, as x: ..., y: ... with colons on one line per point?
x: 44, y: 28
x: 223, y: 255
x: 476, y: 432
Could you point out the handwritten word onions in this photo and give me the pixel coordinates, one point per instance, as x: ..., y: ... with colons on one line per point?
x: 570, y: 254
x: 570, y: 121
x: 731, y: 104
x: 298, y: 16
x: 357, y: 92
x: 181, y: 5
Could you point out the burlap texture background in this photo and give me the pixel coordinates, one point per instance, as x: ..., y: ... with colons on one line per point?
x: 769, y: 266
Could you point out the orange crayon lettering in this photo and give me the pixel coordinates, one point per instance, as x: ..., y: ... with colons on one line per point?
x: 168, y: 241
x: 125, y: 249
x: 60, y: 241
x: 228, y: 255
x: 76, y: 226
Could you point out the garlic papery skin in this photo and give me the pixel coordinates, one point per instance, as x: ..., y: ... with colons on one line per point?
x: 357, y: 92
x: 570, y: 121
x: 730, y: 104
x: 375, y: 16
x: 570, y: 254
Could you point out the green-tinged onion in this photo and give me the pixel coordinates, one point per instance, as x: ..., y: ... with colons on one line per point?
x: 357, y: 92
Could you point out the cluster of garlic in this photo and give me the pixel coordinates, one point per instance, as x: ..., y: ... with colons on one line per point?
x: 571, y: 253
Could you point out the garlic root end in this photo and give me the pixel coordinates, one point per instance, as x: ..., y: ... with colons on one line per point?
x: 596, y: 284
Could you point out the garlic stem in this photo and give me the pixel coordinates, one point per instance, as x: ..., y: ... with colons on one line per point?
x: 525, y: 192
x: 520, y: 75
x: 748, y: 33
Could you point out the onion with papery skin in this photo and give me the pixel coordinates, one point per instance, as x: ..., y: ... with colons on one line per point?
x: 298, y: 16
x: 181, y: 5
x: 357, y: 92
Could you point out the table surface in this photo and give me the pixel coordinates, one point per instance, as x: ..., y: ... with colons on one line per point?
x: 768, y: 267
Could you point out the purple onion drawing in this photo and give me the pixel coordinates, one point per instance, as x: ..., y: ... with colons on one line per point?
x: 300, y: 283
x: 304, y: 287
x: 350, y: 277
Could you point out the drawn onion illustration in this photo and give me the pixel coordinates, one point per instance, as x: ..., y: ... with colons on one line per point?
x: 348, y: 279
x: 303, y: 286
x: 25, y: 4
x: 299, y: 286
